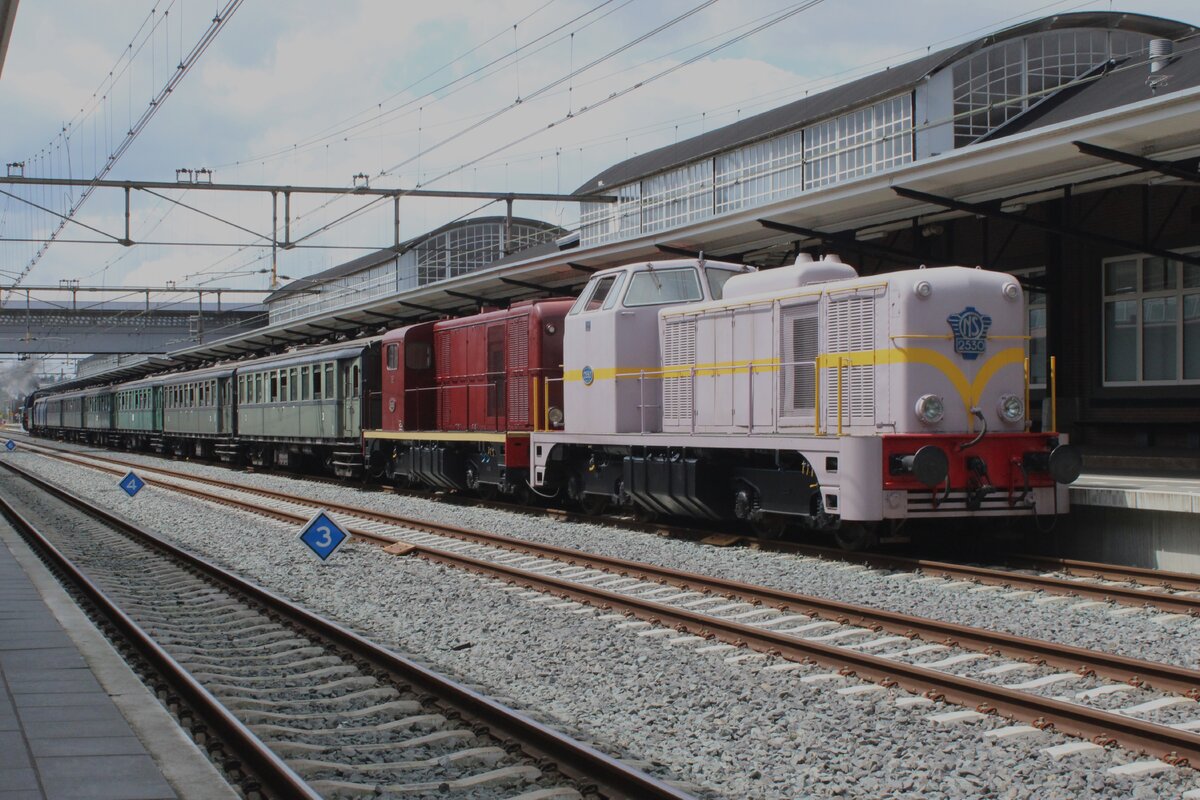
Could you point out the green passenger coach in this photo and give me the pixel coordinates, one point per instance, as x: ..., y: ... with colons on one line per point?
x: 139, y: 414
x: 199, y: 412
x: 308, y: 406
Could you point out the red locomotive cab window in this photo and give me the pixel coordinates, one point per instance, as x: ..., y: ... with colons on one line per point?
x: 393, y: 356
x: 418, y: 355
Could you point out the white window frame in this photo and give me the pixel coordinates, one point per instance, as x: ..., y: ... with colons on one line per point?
x: 1138, y: 296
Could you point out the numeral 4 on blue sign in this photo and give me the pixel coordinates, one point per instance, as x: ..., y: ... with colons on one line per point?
x: 322, y: 535
x: 132, y: 484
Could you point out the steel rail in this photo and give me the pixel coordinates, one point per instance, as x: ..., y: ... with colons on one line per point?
x: 1171, y: 745
x: 261, y: 760
x: 1182, y: 604
x: 1136, y: 672
x: 1181, y: 581
x: 574, y: 758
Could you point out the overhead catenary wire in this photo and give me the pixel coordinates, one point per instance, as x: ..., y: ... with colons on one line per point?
x: 156, y: 102
x: 634, y: 87
x: 557, y: 82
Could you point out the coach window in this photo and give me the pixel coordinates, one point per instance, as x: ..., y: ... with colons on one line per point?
x: 316, y: 379
x: 305, y: 383
x: 354, y: 380
x: 273, y: 395
x: 330, y: 384
x: 293, y: 379
x: 656, y: 287
x: 393, y: 356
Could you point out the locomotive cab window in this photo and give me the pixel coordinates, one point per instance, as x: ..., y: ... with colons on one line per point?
x: 418, y: 355
x: 716, y: 281
x: 393, y: 356
x: 596, y: 293
x: 657, y: 287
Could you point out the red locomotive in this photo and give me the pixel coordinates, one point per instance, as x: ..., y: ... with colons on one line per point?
x: 461, y: 396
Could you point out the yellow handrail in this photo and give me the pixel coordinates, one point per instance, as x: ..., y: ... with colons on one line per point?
x: 1053, y: 395
x: 546, y: 402
x: 1027, y: 420
x: 534, y: 405
x: 816, y: 399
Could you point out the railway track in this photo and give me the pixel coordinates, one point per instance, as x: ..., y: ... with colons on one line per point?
x: 879, y: 646
x: 1169, y: 592
x: 310, y: 708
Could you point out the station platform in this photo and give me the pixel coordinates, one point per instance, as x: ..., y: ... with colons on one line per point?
x: 1144, y: 519
x: 75, y: 722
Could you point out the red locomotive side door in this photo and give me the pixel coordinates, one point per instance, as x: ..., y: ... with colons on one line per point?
x: 496, y: 379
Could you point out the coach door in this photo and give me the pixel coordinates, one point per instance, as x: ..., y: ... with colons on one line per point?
x: 351, y: 380
x: 225, y: 401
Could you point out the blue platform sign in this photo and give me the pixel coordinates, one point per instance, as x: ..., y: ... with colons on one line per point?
x: 322, y: 535
x: 132, y: 484
x: 10, y: 445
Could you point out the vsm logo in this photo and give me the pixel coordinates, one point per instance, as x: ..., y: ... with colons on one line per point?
x: 970, y: 328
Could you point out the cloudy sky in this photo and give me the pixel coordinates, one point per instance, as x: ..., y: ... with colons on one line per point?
x: 313, y: 92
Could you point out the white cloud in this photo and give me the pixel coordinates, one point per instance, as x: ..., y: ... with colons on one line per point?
x: 281, y: 73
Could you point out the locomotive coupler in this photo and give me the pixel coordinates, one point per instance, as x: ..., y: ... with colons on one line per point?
x: 978, y: 486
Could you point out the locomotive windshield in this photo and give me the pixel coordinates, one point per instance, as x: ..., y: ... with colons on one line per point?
x: 656, y: 287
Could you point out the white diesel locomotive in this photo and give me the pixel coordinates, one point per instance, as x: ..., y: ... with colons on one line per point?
x: 804, y: 394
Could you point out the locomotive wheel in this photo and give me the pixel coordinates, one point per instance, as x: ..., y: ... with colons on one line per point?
x: 856, y: 536
x: 522, y: 494
x: 769, y: 527
x: 643, y: 514
x: 593, y: 504
x: 488, y: 491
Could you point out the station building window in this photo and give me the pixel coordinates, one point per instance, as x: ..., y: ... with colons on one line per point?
x: 1151, y: 321
x: 1035, y: 326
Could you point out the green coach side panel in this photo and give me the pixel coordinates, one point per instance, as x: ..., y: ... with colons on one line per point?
x: 306, y: 395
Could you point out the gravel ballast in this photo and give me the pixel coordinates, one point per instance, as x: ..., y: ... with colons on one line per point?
x: 742, y: 730
x: 1146, y: 634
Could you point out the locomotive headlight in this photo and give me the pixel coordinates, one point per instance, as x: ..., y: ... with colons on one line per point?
x: 922, y: 289
x: 555, y: 414
x: 1011, y: 408
x: 1011, y: 291
x: 930, y: 409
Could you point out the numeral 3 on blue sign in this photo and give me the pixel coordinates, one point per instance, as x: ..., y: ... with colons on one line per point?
x: 322, y: 535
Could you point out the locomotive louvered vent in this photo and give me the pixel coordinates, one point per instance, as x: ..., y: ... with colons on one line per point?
x: 852, y: 330
x: 679, y: 350
x: 799, y: 347
x: 518, y: 371
x: 443, y: 370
